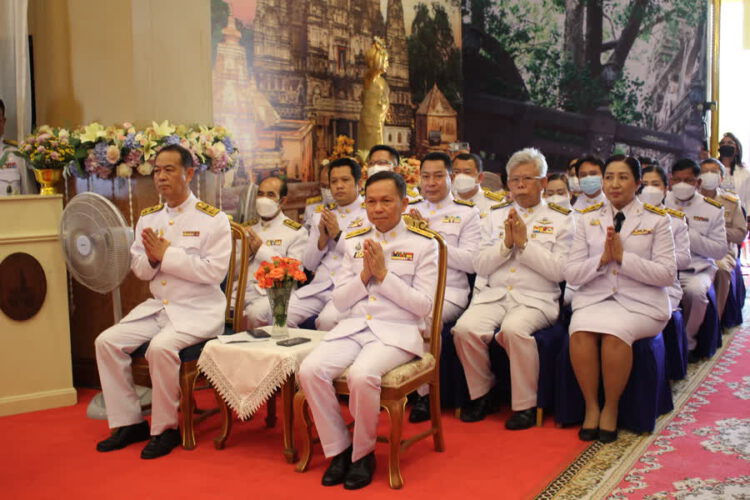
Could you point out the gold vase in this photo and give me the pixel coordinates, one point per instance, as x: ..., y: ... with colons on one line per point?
x: 47, y: 177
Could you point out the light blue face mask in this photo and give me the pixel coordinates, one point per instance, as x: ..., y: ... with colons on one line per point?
x: 590, y: 184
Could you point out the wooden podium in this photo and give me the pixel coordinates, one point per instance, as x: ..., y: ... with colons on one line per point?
x: 35, y: 359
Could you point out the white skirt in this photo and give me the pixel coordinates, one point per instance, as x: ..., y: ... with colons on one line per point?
x: 610, y: 317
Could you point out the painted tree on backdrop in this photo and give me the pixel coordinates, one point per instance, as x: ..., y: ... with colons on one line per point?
x: 523, y: 51
x: 433, y: 55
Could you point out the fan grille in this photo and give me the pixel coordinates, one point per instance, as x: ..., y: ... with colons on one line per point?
x: 96, y: 241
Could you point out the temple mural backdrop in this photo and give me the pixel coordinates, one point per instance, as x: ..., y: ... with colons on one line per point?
x: 574, y: 76
x: 288, y: 78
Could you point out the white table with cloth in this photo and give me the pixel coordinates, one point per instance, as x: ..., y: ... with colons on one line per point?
x: 246, y: 374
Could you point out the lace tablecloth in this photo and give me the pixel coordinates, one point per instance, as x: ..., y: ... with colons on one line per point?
x: 247, y: 374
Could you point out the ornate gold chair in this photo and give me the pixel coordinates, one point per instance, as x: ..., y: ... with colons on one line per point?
x: 189, y: 356
x: 395, y: 386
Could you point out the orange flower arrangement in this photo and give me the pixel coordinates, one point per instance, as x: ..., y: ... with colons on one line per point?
x: 280, y: 272
x: 409, y: 170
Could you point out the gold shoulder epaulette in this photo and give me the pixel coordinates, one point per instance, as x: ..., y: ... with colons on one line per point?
x: 151, y: 210
x: 593, y: 207
x: 415, y: 200
x: 293, y: 224
x: 558, y: 208
x: 654, y: 209
x: 319, y: 208
x: 468, y: 203
x: 363, y: 204
x: 675, y: 213
x: 314, y: 199
x: 501, y: 205
x: 412, y: 192
x: 730, y: 197
x: 358, y: 232
x: 421, y: 232
x: 493, y: 195
x: 251, y: 222
x: 713, y: 202
x: 207, y: 209
x: 10, y: 142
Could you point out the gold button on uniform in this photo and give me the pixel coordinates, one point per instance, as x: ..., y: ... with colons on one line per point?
x: 171, y: 222
x: 372, y: 298
x: 615, y: 272
x: 163, y: 282
x: 510, y: 287
x: 614, y: 289
x: 513, y: 269
x: 165, y: 302
x: 368, y: 317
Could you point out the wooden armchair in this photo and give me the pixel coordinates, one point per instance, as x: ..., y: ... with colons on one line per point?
x: 189, y: 355
x: 395, y: 386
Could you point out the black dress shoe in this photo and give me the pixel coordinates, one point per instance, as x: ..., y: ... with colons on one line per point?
x: 520, y: 420
x: 607, y: 436
x: 476, y: 409
x: 420, y: 412
x: 588, y: 434
x: 162, y: 444
x: 124, y: 436
x: 360, y: 472
x: 337, y: 469
x: 693, y: 357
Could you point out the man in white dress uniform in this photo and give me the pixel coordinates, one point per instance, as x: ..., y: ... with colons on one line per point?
x: 385, y: 294
x: 272, y: 235
x: 708, y: 243
x: 183, y: 249
x: 468, y: 174
x: 519, y: 267
x: 589, y: 171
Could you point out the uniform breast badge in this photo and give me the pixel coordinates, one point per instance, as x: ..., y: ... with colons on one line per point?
x: 405, y: 256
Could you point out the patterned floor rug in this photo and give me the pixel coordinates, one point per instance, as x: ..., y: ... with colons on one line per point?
x: 701, y: 450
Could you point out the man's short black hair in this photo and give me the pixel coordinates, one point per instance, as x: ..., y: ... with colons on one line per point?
x: 185, y: 157
x: 384, y: 175
x: 685, y: 164
x: 589, y: 159
x: 283, y: 190
x: 346, y: 162
x: 2, y: 107
x: 439, y: 156
x: 384, y: 147
x: 471, y: 157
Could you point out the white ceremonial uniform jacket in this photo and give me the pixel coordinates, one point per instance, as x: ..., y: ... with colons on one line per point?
x: 648, y: 262
x: 394, y: 310
x: 10, y: 174
x: 282, y: 237
x: 312, y: 206
x: 326, y: 262
x: 583, y: 202
x: 734, y: 219
x: 681, y: 237
x: 530, y: 276
x: 458, y: 224
x: 708, y: 236
x: 484, y: 200
x: 186, y: 284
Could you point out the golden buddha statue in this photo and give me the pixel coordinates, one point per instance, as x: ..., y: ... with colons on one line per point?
x: 375, y: 100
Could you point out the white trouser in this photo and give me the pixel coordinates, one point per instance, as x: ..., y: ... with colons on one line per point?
x: 450, y: 312
x: 300, y: 308
x: 473, y: 333
x: 113, y: 348
x: 368, y: 360
x: 722, y: 282
x: 695, y: 301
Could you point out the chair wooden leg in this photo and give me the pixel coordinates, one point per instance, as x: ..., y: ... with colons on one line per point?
x: 539, y: 416
x: 226, y: 421
x: 188, y: 375
x: 395, y: 409
x: 271, y: 411
x: 436, y: 417
x: 304, y: 426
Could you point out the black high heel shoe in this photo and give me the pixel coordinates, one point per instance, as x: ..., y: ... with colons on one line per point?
x: 588, y: 434
x: 607, y: 436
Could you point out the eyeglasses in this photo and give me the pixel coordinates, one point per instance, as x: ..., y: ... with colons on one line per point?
x: 380, y: 163
x: 525, y: 179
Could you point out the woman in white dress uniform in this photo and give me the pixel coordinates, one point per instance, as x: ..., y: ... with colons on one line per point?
x: 622, y: 262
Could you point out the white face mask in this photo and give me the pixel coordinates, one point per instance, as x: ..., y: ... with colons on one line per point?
x: 683, y: 191
x: 651, y: 195
x: 591, y: 184
x: 573, y: 184
x: 559, y: 199
x: 266, y: 207
x: 326, y: 195
x: 464, y: 183
x: 377, y: 168
x: 710, y: 180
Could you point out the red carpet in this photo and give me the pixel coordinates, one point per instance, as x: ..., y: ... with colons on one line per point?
x: 705, y: 451
x: 51, y: 454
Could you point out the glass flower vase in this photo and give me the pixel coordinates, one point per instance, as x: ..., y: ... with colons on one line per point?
x: 278, y: 297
